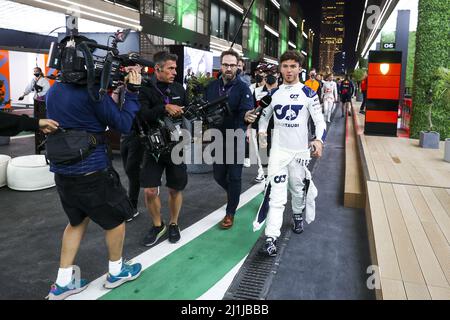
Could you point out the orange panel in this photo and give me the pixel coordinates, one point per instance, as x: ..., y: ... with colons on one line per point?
x: 381, y: 116
x: 383, y: 93
x: 4, y: 78
x: 395, y: 69
x: 384, y: 81
x: 49, y: 71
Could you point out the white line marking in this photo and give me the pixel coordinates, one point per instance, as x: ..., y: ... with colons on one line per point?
x: 158, y: 252
x: 22, y: 137
x: 217, y: 291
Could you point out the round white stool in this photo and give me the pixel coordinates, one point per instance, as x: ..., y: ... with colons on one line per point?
x: 4, y: 160
x: 29, y: 173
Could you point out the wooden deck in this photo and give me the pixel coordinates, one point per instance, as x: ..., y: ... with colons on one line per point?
x: 408, y: 215
x: 354, y: 189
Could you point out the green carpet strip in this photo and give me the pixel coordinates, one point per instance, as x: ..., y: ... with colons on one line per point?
x: 194, y: 268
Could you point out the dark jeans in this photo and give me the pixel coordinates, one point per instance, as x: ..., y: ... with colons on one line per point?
x: 363, y: 104
x: 228, y: 176
x: 132, y: 152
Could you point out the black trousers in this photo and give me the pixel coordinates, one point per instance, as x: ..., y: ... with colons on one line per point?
x: 229, y: 177
x: 40, y: 112
x: 363, y: 104
x: 132, y: 152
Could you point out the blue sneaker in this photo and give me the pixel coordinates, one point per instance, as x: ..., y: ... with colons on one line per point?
x: 60, y: 293
x: 129, y: 272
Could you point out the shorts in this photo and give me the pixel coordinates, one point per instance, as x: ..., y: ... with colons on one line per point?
x: 346, y: 98
x: 152, y: 170
x: 99, y: 196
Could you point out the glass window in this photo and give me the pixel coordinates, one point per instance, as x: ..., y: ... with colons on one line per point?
x: 225, y: 22
x: 223, y: 30
x: 170, y: 11
x: 292, y: 33
x: 272, y: 15
x: 215, y: 29
x: 128, y: 3
x: 233, y: 27
x: 238, y: 21
x: 271, y: 45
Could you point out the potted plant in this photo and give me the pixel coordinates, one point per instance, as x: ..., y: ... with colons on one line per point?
x: 195, y: 90
x: 439, y: 95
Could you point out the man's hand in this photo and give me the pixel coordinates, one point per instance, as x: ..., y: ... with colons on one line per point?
x: 317, y: 147
x: 173, y: 110
x: 262, y: 140
x: 250, y: 117
x: 48, y: 125
x: 133, y: 80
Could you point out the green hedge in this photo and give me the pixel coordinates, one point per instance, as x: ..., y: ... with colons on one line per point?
x: 432, y: 52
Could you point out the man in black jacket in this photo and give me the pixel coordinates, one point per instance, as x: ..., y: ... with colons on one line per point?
x: 11, y: 124
x: 160, y: 98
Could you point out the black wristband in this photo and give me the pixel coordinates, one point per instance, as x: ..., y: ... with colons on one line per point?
x: 133, y: 87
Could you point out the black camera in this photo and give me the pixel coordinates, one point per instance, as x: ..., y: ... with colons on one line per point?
x: 212, y: 114
x: 74, y: 57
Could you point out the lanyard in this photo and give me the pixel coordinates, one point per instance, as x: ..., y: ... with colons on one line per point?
x: 166, y: 98
x: 223, y: 91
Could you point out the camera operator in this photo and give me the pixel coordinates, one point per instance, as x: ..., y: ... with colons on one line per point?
x: 90, y: 188
x: 240, y: 101
x: 160, y: 98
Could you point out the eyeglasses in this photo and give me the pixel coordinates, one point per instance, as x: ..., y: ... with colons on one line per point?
x: 226, y: 65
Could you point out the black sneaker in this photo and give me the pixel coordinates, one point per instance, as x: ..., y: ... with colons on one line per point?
x: 270, y: 247
x: 174, y: 233
x: 135, y: 214
x: 298, y: 223
x: 154, y: 235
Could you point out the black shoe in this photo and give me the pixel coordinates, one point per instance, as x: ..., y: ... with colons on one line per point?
x: 297, y: 227
x: 154, y: 235
x: 362, y: 112
x: 174, y: 233
x: 270, y: 247
x: 135, y: 214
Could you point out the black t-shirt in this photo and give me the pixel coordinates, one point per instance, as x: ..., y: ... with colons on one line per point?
x: 154, y: 96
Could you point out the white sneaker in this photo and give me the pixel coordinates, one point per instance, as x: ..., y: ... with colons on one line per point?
x: 247, y: 163
x: 260, y: 178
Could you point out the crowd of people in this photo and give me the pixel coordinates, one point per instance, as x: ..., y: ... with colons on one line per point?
x: 273, y: 110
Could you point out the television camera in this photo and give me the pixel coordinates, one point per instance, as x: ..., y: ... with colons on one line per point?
x: 73, y: 57
x: 166, y: 135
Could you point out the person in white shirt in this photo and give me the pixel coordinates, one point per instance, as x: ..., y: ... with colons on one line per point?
x: 39, y: 85
x: 329, y: 96
x: 291, y: 106
x: 270, y: 87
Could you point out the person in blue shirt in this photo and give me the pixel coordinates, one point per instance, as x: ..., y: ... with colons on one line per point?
x: 90, y: 189
x: 240, y: 101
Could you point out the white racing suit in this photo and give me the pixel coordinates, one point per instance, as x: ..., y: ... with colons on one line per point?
x: 291, y: 106
x: 329, y: 97
x: 259, y: 94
